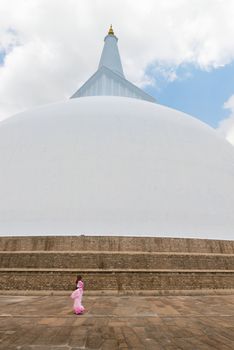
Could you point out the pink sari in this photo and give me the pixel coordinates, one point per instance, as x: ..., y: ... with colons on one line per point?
x: 77, y: 296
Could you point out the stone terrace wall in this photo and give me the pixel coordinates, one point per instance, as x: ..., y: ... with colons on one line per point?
x: 116, y: 281
x: 120, y: 264
x: 107, y: 243
x: 116, y: 260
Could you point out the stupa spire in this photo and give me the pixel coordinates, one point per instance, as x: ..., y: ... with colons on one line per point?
x: 110, y: 57
x: 109, y: 79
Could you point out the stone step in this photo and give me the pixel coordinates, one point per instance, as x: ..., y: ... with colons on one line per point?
x: 116, y: 260
x: 20, y: 269
x: 117, y: 280
x: 107, y: 243
x: 140, y: 293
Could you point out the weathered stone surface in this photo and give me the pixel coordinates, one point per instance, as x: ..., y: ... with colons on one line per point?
x: 105, y: 243
x: 152, y: 323
x: 116, y: 260
x: 123, y: 280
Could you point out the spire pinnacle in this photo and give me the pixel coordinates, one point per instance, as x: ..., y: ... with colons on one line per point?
x: 111, y: 32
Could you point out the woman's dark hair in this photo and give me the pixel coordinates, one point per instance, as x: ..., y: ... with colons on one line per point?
x: 79, y: 278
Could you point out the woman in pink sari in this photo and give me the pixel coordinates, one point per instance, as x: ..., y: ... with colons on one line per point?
x: 77, y: 296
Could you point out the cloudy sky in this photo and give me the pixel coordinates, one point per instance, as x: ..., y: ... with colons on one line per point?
x: 180, y: 51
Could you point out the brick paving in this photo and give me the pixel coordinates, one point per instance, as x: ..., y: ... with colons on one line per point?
x: 117, y: 322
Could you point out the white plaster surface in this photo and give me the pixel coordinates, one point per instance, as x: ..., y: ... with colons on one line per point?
x: 110, y: 57
x: 107, y: 83
x: 114, y: 166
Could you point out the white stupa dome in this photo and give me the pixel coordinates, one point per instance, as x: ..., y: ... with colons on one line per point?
x: 112, y: 165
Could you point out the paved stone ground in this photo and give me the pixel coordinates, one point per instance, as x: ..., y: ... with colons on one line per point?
x: 111, y: 322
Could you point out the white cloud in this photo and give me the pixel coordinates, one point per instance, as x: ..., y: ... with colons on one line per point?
x: 226, y: 127
x: 53, y: 46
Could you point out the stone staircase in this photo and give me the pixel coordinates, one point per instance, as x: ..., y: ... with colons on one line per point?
x: 116, y: 264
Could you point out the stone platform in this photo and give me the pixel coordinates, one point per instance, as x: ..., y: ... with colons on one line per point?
x: 111, y: 323
x: 120, y: 264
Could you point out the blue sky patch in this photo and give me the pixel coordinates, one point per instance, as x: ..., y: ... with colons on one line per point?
x: 2, y: 55
x: 195, y: 91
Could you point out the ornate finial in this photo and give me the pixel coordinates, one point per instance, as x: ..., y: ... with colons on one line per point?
x: 111, y: 32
